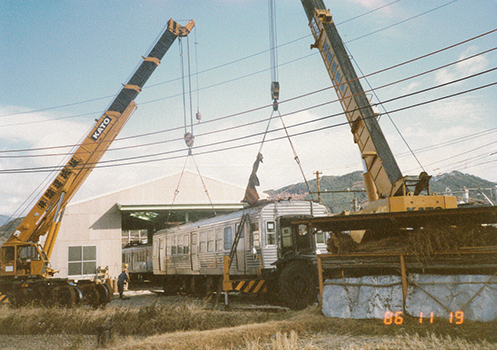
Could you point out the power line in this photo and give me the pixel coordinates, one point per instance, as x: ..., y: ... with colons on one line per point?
x: 268, y: 105
x: 403, y: 21
x: 103, y: 164
x: 217, y: 67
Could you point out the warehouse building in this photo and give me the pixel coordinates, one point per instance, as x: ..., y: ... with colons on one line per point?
x: 94, y: 231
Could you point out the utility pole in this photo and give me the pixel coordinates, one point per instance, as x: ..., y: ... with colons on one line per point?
x: 317, y: 173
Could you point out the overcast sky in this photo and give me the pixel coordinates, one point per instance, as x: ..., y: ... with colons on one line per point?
x: 62, y: 62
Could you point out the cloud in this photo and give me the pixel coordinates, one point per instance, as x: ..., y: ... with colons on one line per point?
x: 31, y: 131
x: 371, y: 5
x: 463, y: 68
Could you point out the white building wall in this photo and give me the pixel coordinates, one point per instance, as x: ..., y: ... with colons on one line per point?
x: 93, y: 223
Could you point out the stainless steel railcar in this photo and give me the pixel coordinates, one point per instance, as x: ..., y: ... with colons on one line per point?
x: 139, y: 260
x: 190, y: 256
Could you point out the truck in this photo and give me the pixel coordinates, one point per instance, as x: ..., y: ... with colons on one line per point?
x: 403, y: 228
x: 25, y: 272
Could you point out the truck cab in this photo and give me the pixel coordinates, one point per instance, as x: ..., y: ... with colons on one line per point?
x: 295, y: 239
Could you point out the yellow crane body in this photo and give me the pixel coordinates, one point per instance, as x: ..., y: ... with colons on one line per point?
x: 24, y: 263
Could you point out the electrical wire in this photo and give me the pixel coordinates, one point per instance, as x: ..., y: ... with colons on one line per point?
x: 216, y: 67
x: 403, y: 21
x: 103, y: 164
x: 264, y: 106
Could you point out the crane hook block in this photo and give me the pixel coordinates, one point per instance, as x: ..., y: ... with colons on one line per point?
x: 275, y: 94
x: 189, y: 138
x: 199, y: 116
x: 275, y: 90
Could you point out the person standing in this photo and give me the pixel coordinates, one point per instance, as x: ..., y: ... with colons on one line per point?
x: 121, y: 280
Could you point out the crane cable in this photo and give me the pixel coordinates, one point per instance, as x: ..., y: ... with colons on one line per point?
x: 198, y: 115
x: 275, y: 85
x: 188, y: 136
x: 373, y: 91
x: 251, y: 195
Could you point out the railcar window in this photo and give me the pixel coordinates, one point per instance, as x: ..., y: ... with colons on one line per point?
x: 203, y: 242
x: 320, y: 237
x: 210, y: 240
x: 173, y: 246
x: 168, y: 246
x: 227, y: 238
x: 286, y: 236
x: 242, y: 234
x: 219, y: 239
x: 180, y: 244
x: 186, y: 246
x: 271, y: 233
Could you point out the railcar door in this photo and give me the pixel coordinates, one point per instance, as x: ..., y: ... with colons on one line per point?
x: 162, y: 256
x: 194, y: 251
x: 241, y: 256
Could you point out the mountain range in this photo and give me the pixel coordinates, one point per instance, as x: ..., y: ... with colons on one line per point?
x: 3, y: 219
x: 339, y: 192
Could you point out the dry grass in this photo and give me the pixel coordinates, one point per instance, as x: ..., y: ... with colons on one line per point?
x: 422, y: 243
x: 425, y: 243
x: 194, y: 326
x: 148, y: 320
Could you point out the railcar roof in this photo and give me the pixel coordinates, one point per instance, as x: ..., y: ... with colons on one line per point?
x: 236, y: 214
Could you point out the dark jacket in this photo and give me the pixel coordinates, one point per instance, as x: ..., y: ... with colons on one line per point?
x: 123, y: 277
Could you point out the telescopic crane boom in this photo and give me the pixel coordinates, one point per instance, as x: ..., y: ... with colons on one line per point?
x: 21, y: 258
x: 387, y: 189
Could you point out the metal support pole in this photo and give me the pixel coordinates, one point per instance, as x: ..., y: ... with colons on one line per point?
x: 404, y: 282
x: 321, y: 285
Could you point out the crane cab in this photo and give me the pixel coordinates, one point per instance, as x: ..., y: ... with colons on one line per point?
x: 19, y: 259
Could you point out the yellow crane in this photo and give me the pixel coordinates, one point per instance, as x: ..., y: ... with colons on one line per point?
x: 25, y: 272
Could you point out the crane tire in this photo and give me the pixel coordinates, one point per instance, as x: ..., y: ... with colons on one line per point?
x: 297, y: 285
x: 100, y: 296
x: 78, y: 295
x: 65, y: 296
x: 20, y: 298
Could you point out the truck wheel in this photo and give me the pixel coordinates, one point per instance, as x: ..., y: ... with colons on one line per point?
x: 297, y: 285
